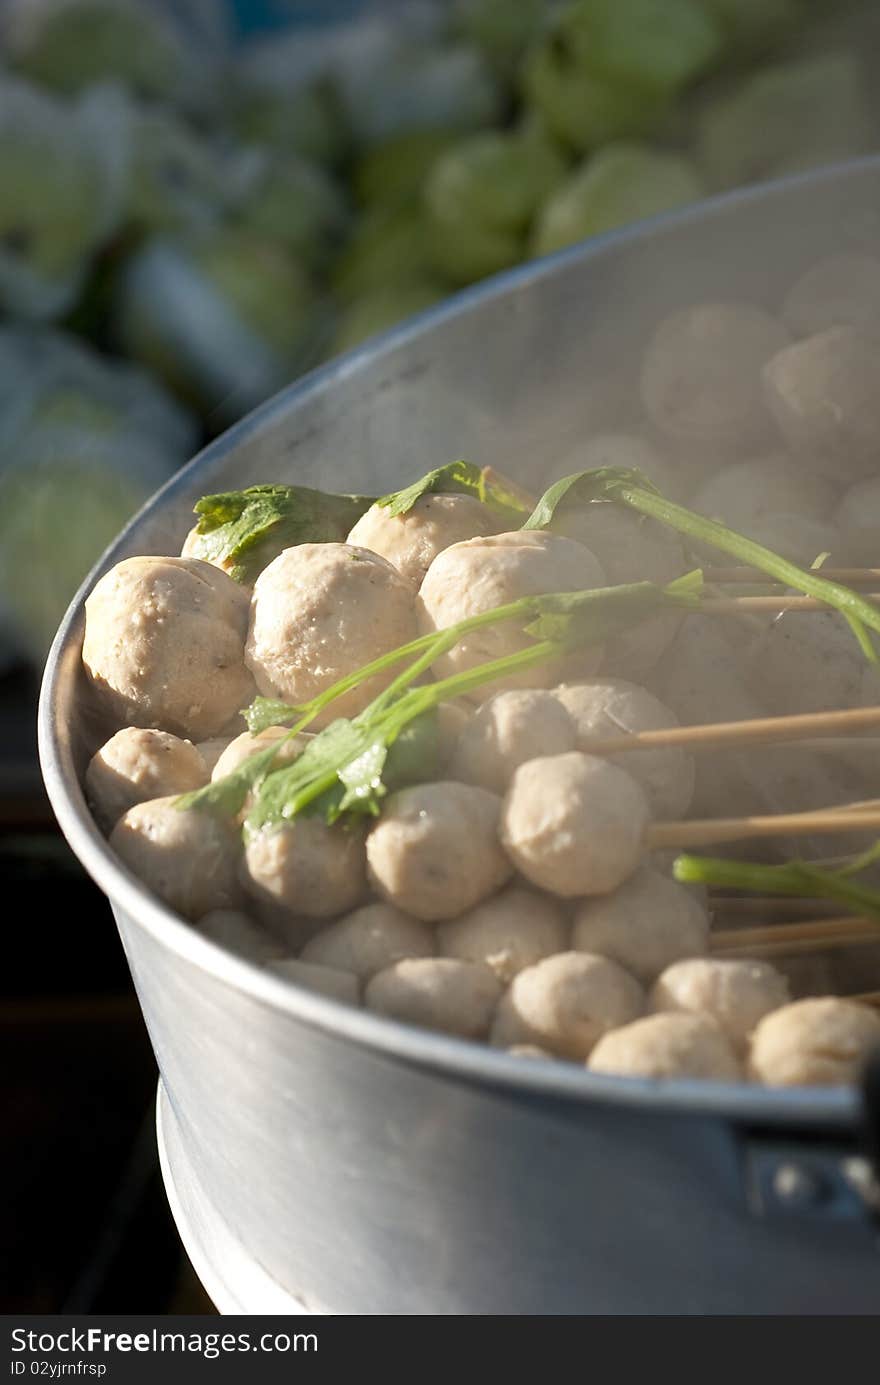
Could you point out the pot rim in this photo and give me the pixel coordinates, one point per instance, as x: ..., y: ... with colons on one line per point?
x: 837, y: 1107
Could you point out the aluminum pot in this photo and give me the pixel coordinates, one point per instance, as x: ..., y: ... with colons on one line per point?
x: 326, y: 1157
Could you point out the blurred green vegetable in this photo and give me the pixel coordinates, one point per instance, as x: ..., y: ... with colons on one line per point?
x: 789, y: 117
x: 622, y: 183
x: 69, y: 44
x: 501, y: 29
x: 294, y: 204
x: 382, y: 308
x: 387, y: 247
x: 84, y: 442
x: 480, y: 199
x: 414, y: 87
x: 301, y: 118
x: 178, y: 180
x: 62, y: 178
x: 224, y: 319
x: 610, y: 68
x: 391, y: 174
x: 752, y: 27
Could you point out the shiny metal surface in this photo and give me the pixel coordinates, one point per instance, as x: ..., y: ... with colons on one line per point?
x: 370, y: 1168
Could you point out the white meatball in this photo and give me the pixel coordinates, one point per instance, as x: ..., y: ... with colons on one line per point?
x: 369, y: 940
x: 606, y: 708
x: 814, y: 1043
x: 305, y: 866
x: 663, y: 1046
x: 573, y: 824
x: 136, y: 765
x: 505, y: 732
x: 703, y: 679
x: 339, y: 985
x: 164, y: 645
x: 566, y: 1003
x: 435, y: 852
x: 701, y: 375
x: 212, y: 749
x: 437, y: 993
x: 480, y: 574
x: 188, y: 858
x: 630, y: 548
x: 240, y: 933
x: 646, y: 924
x: 319, y: 612
x: 514, y: 929
x: 839, y: 291
x: 246, y: 745
x: 824, y: 394
x: 858, y: 520
x: 736, y: 994
x: 744, y: 494
x: 412, y: 541
x: 810, y: 662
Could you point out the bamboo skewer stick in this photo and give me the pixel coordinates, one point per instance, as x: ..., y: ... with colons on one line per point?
x: 864, y: 997
x: 851, y: 928
x: 765, y: 906
x: 767, y: 605
x: 756, y: 731
x: 713, y: 831
x: 850, y: 576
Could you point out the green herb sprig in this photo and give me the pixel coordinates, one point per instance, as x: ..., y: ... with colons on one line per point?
x: 341, y: 770
x: 799, y: 879
x: 631, y: 487
x: 242, y: 531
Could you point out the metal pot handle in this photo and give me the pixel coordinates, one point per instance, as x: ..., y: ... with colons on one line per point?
x: 818, y: 1178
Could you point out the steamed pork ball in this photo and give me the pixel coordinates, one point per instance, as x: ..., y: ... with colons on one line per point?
x: 824, y: 393
x: 369, y: 940
x: 339, y: 985
x: 412, y: 541
x: 136, y: 765
x: 746, y: 493
x: 188, y: 858
x: 736, y: 994
x: 437, y: 993
x: 566, y: 1003
x: 505, y: 732
x: 480, y: 574
x: 808, y: 661
x: 613, y: 707
x: 839, y: 291
x: 662, y: 1046
x: 242, y: 747
x: 796, y: 537
x: 645, y: 925
x: 573, y: 824
x: 858, y: 520
x: 630, y: 548
x: 630, y: 449
x: 435, y: 852
x: 701, y: 376
x: 240, y: 933
x: 306, y: 868
x: 510, y: 931
x: 319, y: 612
x: 164, y: 645
x: 814, y: 1043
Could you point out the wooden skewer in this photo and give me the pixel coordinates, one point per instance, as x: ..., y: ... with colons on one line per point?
x: 864, y: 997
x: 852, y: 928
x: 713, y: 831
x: 756, y: 731
x: 851, y: 576
x: 769, y: 605
x: 765, y: 906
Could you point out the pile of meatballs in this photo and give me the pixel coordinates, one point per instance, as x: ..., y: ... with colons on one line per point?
x: 510, y: 897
